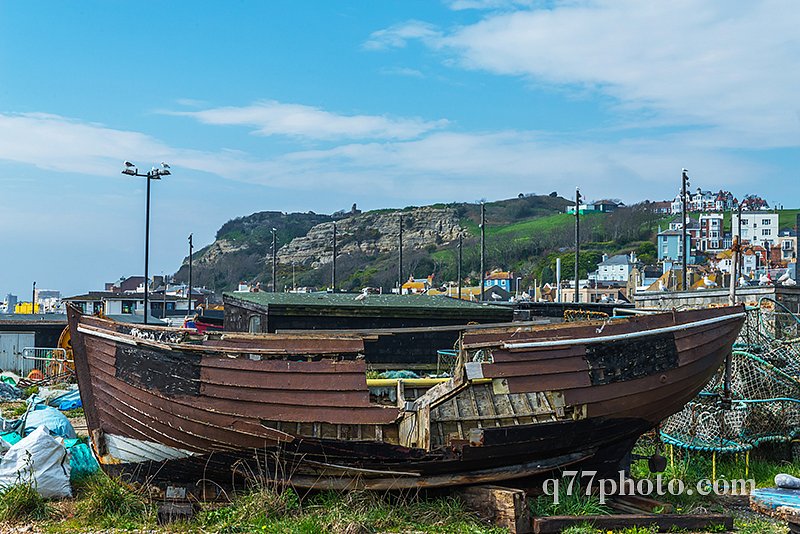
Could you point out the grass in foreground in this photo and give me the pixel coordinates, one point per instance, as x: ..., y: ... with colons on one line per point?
x: 21, y: 502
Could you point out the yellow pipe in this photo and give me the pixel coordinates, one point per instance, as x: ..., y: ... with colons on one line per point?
x: 747, y: 464
x: 714, y: 466
x: 410, y: 382
x: 415, y: 382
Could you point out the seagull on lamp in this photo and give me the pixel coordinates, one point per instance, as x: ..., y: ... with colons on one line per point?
x: 164, y: 165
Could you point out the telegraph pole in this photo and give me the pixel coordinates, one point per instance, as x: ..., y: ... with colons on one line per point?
x: 684, y: 185
x: 333, y: 263
x: 459, y: 265
x: 483, y: 248
x: 189, y: 294
x: 274, y: 261
x: 33, y: 299
x: 577, y: 241
x: 400, y: 259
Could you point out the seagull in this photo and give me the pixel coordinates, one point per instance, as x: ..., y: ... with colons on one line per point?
x: 362, y: 296
x: 164, y: 165
x: 790, y: 282
x: 784, y: 277
x: 495, y: 296
x: 708, y: 282
x: 764, y: 280
x: 661, y: 286
x: 128, y: 164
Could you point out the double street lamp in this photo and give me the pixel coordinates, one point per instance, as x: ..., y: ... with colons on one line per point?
x: 153, y: 174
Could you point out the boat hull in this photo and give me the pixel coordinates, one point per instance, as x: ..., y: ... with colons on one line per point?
x: 523, y: 402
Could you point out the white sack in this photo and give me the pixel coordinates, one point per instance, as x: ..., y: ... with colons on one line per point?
x: 40, y: 459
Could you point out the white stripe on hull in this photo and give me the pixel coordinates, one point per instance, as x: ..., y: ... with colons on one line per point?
x: 131, y: 450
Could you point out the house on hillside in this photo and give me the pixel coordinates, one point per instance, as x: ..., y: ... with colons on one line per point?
x: 787, y: 240
x: 600, y: 206
x: 615, y: 268
x: 711, y: 235
x: 502, y: 279
x: 758, y: 228
x: 670, y: 247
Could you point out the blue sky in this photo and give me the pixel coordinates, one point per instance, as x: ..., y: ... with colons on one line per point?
x: 299, y: 106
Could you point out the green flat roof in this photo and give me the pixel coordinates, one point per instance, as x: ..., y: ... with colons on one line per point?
x: 355, y: 300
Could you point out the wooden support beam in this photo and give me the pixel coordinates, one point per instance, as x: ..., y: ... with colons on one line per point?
x: 664, y: 522
x: 505, y: 507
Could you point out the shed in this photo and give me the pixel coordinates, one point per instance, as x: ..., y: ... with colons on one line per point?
x: 18, y: 331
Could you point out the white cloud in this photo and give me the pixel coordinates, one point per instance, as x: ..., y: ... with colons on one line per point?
x: 276, y: 118
x: 403, y: 71
x: 397, y: 36
x: 726, y: 67
x: 459, y: 5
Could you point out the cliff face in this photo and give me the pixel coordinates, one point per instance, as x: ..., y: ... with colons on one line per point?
x: 367, y: 244
x: 372, y: 234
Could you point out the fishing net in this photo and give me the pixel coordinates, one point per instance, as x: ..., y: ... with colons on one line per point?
x: 764, y: 400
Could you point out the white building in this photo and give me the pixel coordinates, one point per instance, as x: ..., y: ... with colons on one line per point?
x: 614, y: 269
x: 758, y: 228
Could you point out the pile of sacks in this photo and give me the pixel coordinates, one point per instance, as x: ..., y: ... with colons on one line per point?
x: 41, y: 448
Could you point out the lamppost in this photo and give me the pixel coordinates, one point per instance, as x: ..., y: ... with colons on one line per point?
x: 33, y: 299
x: 684, y: 199
x: 153, y: 174
x: 274, y: 260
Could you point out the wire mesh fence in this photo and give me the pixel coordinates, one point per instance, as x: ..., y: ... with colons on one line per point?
x: 763, y: 403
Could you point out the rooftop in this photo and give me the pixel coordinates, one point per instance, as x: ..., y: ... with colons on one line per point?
x: 355, y: 300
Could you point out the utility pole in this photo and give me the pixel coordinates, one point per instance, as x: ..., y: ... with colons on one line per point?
x: 333, y: 263
x: 460, y: 244
x: 400, y: 259
x: 274, y: 260
x: 558, y: 279
x: 684, y: 223
x: 33, y: 299
x: 483, y: 249
x: 577, y: 241
x: 189, y: 306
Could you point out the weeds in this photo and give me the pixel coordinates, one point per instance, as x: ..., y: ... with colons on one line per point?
x: 270, y: 511
x: 111, y: 503
x: 21, y: 502
x: 576, y: 503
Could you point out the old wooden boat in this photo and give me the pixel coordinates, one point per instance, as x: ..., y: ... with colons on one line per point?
x: 172, y: 406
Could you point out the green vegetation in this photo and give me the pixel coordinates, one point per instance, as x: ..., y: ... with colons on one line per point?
x: 109, y: 503
x: 21, y: 502
x: 576, y: 503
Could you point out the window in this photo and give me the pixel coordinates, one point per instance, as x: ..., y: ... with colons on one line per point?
x: 665, y: 250
x: 787, y: 245
x: 254, y: 326
x: 765, y: 222
x: 766, y: 231
x: 128, y: 306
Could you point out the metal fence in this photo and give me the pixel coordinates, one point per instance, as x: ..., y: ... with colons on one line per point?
x: 51, y: 363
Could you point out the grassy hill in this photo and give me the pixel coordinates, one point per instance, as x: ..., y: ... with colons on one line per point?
x: 524, y: 234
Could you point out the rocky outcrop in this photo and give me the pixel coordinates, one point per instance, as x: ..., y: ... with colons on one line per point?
x: 373, y: 233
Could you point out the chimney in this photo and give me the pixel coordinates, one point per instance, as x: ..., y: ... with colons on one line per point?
x: 605, y: 257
